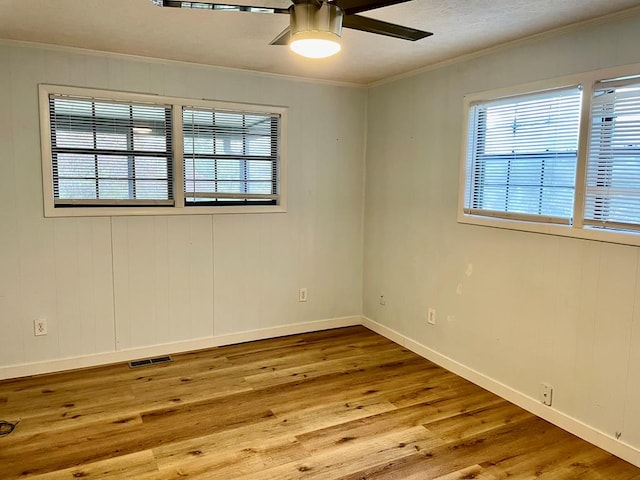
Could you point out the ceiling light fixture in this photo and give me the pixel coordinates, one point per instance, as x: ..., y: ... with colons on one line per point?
x: 315, y: 29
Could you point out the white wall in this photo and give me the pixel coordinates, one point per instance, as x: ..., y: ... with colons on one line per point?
x: 536, y: 308
x: 107, y: 284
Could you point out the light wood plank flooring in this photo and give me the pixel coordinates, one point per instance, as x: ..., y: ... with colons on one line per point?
x: 340, y: 404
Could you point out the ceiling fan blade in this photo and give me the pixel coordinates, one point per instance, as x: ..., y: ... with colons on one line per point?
x: 219, y: 6
x: 282, y: 38
x: 351, y: 7
x: 366, y: 24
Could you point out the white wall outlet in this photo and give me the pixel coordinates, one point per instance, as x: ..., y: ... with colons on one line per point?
x: 431, y: 316
x: 469, y: 271
x: 459, y: 289
x: 40, y: 327
x: 302, y: 295
x: 546, y: 394
x: 383, y: 302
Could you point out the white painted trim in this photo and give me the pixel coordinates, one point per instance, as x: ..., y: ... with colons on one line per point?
x: 562, y: 420
x: 586, y: 432
x: 84, y: 361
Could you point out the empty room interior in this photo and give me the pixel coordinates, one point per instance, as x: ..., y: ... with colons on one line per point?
x: 417, y: 258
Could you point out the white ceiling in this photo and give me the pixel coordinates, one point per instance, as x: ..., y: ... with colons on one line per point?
x: 241, y: 40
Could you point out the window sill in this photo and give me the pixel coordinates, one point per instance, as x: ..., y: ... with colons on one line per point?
x: 609, y: 236
x: 157, y: 211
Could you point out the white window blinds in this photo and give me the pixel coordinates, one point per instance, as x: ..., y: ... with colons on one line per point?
x: 522, y: 156
x: 105, y: 152
x: 230, y: 157
x: 612, y: 196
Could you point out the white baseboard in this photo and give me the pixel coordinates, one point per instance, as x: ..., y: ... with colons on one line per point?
x: 84, y: 361
x: 562, y: 420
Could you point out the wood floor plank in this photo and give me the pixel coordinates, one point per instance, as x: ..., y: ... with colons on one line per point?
x: 132, y: 466
x: 475, y: 472
x: 213, y: 459
x: 343, y: 404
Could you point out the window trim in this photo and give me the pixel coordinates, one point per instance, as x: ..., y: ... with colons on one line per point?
x: 577, y: 228
x: 178, y: 208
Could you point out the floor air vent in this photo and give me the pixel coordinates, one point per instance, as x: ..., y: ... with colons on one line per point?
x: 149, y: 361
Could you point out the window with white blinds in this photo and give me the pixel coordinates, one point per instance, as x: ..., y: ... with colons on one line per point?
x: 522, y: 156
x: 612, y: 195
x: 554, y: 158
x: 230, y: 157
x: 118, y: 153
x: 107, y: 152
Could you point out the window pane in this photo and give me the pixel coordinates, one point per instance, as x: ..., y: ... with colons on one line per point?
x: 72, y: 165
x: 260, y: 187
x: 230, y: 154
x: 114, y: 189
x: 76, y: 188
x: 522, y: 155
x: 230, y: 169
x: 144, y: 138
x: 151, y: 168
x: 111, y: 166
x: 613, y: 170
x: 259, y: 170
x: 102, y: 149
x: 66, y: 138
x: 110, y: 140
x: 151, y: 189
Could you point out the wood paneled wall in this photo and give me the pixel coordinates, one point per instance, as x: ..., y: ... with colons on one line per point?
x: 107, y: 284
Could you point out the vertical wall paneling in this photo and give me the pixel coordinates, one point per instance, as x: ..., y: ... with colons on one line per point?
x: 630, y: 429
x: 239, y: 273
x: 108, y: 284
x: 11, y: 323
x: 84, y: 286
x: 536, y: 308
x: 614, y: 314
x: 278, y: 299
x: 36, y: 248
x: 163, y: 272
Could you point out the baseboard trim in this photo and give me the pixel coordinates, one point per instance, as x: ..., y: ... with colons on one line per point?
x: 560, y: 419
x: 93, y: 360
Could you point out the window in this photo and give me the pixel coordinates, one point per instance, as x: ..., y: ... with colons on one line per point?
x: 229, y: 157
x: 558, y: 159
x: 613, y: 168
x: 522, y: 156
x: 109, y: 153
x: 113, y: 153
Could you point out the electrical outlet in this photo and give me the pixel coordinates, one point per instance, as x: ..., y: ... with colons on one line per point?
x: 302, y: 295
x: 546, y: 394
x: 40, y: 327
x: 383, y: 302
x: 431, y: 316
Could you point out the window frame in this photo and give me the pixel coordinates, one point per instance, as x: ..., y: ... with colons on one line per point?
x: 177, y: 157
x: 576, y: 228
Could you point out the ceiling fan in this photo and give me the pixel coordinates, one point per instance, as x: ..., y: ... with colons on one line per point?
x: 316, y: 25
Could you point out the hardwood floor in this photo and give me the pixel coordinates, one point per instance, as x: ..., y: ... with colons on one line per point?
x: 340, y: 404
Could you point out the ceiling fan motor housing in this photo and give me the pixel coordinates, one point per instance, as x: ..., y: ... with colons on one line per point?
x: 309, y: 17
